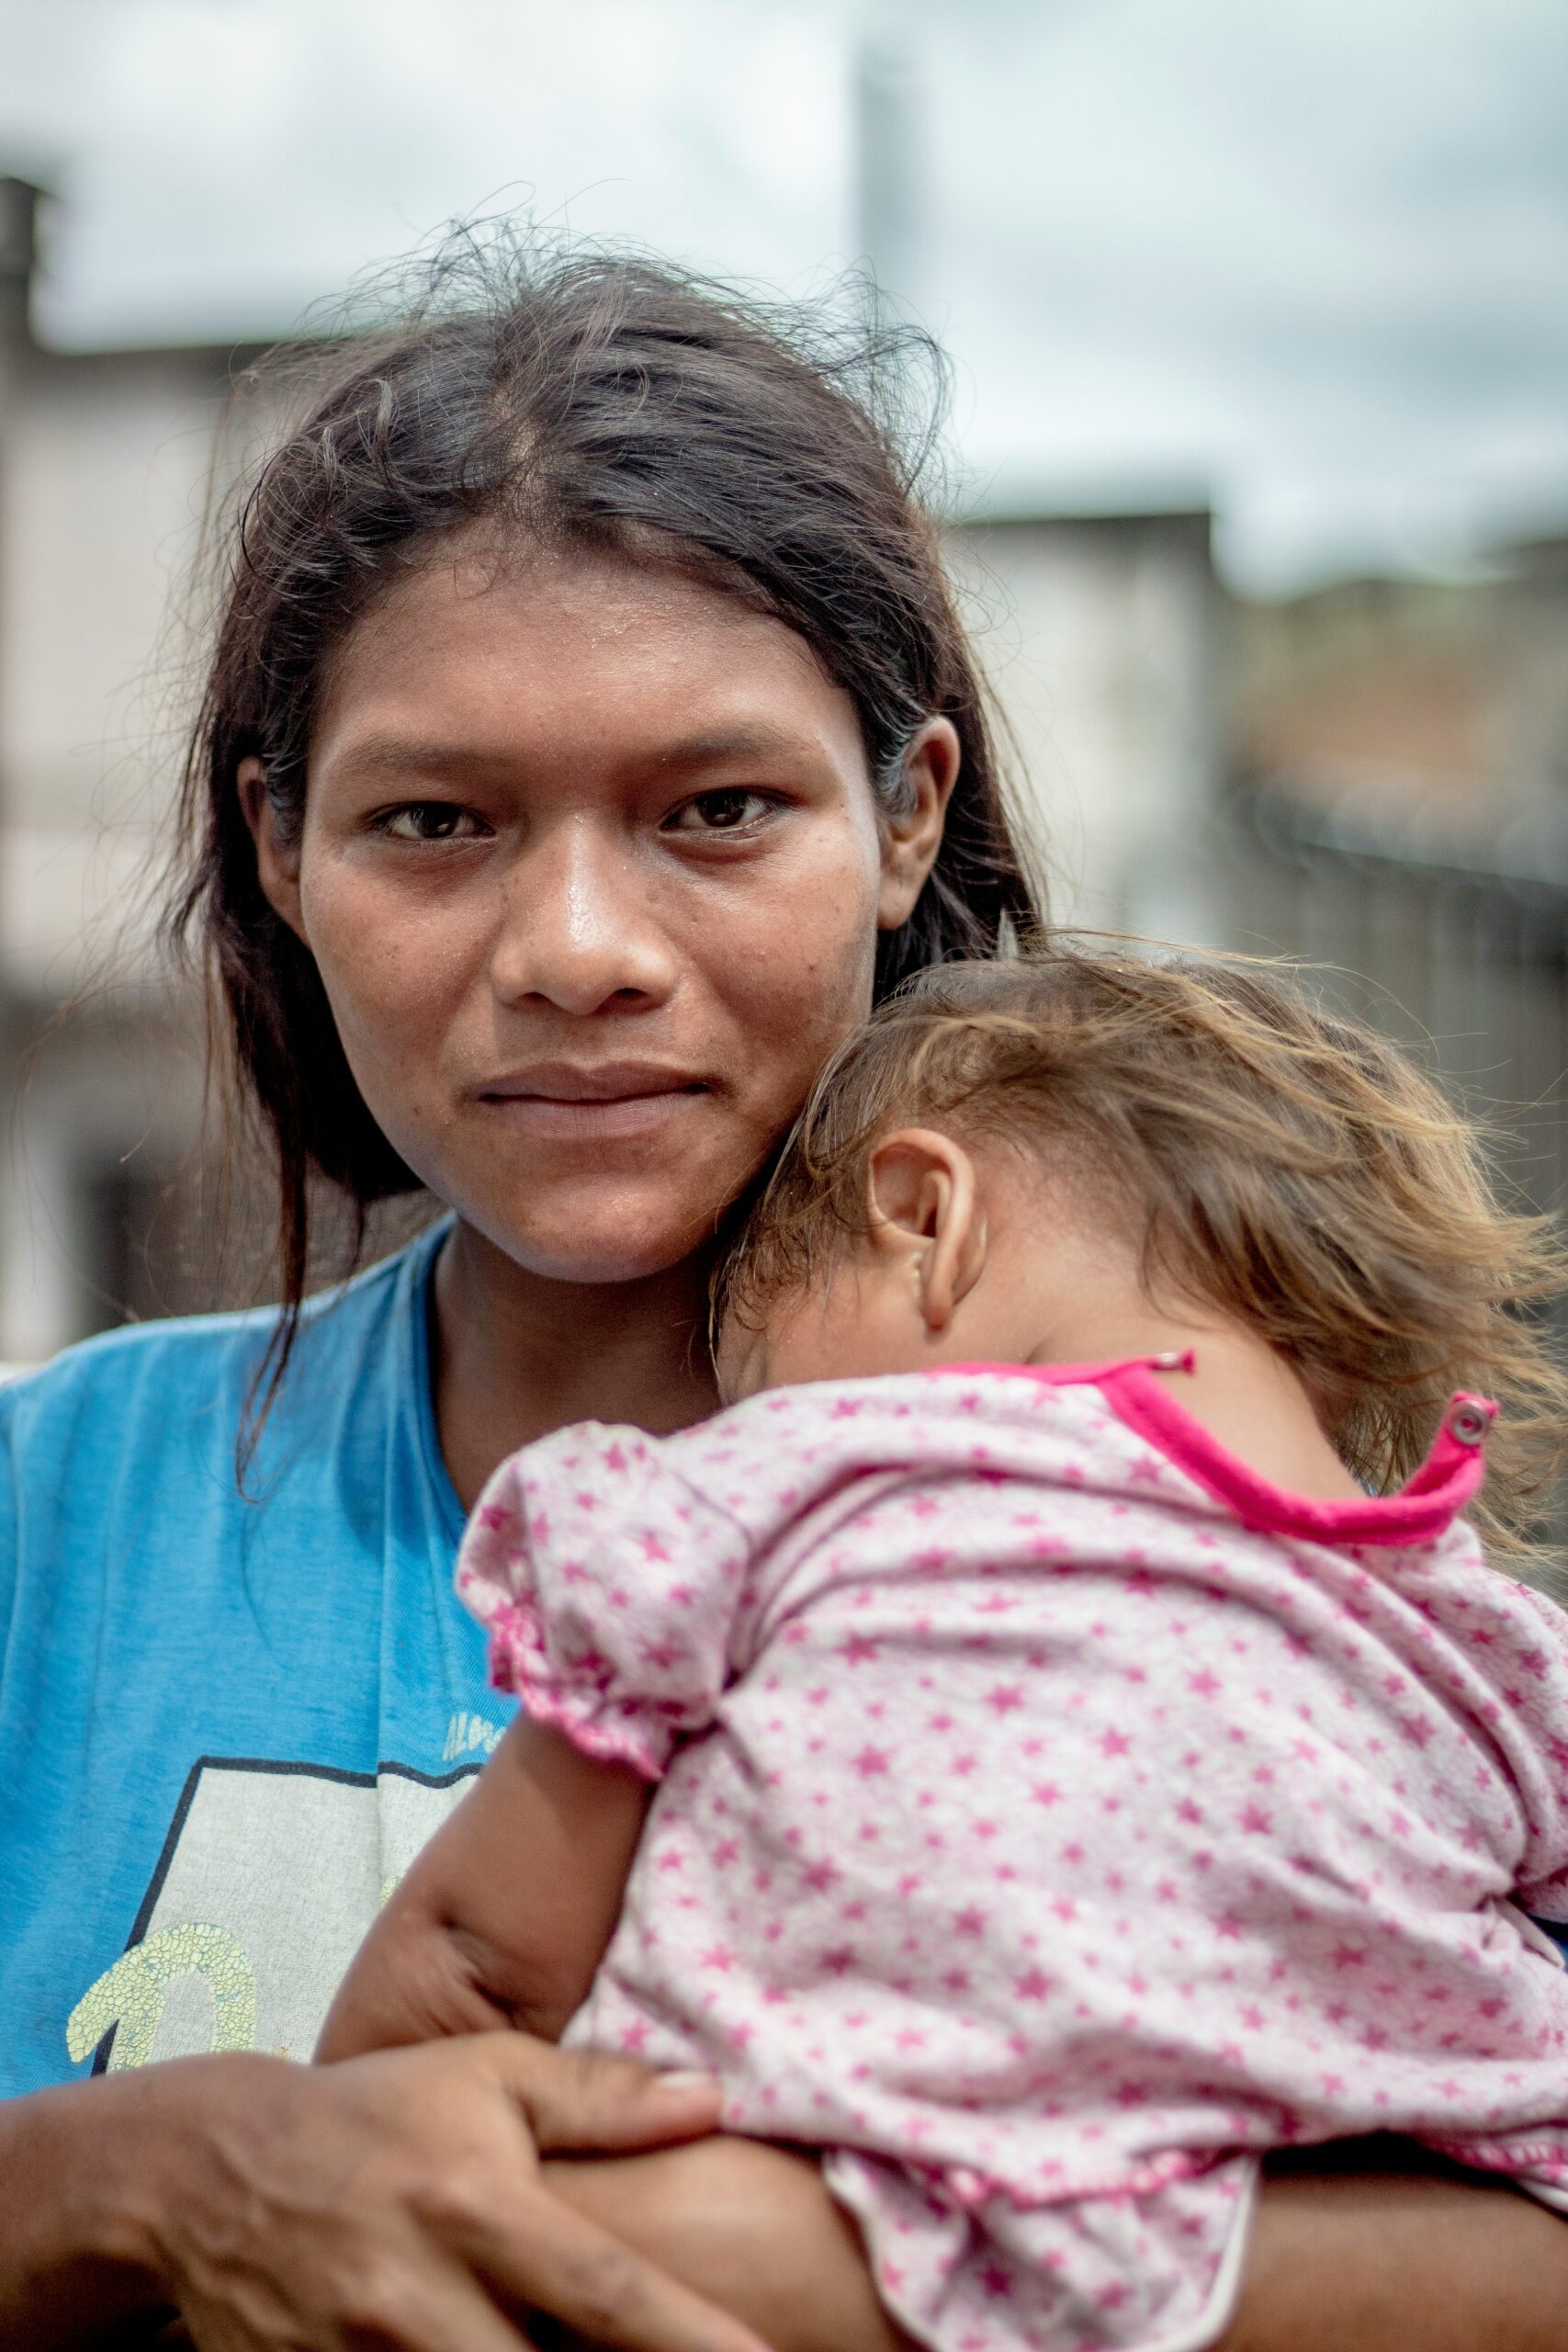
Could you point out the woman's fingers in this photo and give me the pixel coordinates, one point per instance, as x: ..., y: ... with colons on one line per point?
x: 577, y: 2102
x: 416, y: 2309
x: 546, y: 2257
x: 443, y: 2313
x: 393, y: 2203
x: 609, y: 2295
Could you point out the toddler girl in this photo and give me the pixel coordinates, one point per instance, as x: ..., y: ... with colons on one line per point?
x: 1053, y: 1738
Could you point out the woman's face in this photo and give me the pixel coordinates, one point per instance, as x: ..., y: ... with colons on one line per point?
x: 592, y: 874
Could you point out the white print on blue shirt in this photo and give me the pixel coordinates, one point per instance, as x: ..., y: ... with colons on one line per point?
x: 258, y: 1903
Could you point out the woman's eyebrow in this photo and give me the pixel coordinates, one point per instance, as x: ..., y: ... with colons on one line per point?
x: 753, y: 740
x: 397, y: 757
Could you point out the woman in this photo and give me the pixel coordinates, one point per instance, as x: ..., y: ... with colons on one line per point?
x: 589, y: 738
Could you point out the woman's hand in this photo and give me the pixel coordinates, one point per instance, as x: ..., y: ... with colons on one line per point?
x: 393, y: 2201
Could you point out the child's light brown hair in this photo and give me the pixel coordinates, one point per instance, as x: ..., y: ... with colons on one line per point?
x: 1290, y: 1169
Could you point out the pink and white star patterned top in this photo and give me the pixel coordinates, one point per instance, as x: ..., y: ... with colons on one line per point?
x: 1053, y: 1816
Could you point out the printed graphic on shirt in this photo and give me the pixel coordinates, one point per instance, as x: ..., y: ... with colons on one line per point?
x: 269, y: 1877
x: 466, y: 1734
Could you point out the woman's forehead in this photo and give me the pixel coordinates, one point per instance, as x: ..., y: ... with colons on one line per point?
x: 473, y: 652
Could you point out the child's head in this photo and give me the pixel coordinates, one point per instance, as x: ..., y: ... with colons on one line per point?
x: 1022, y: 1124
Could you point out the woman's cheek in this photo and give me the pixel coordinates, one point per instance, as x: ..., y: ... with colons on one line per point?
x: 810, y: 978
x: 812, y: 999
x: 394, y: 996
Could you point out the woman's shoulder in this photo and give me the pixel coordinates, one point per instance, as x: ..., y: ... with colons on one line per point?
x: 208, y: 1365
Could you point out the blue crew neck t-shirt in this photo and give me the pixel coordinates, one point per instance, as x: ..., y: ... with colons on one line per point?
x: 228, y: 1720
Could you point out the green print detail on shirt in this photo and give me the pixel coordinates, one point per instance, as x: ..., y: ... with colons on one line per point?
x: 270, y: 1875
x: 129, y: 1999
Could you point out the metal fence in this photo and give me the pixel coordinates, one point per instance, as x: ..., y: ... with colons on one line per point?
x: 1459, y: 952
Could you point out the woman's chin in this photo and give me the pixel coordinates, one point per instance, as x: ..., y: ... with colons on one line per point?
x: 590, y: 1245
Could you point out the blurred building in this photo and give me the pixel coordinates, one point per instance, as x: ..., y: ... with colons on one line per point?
x: 1447, y: 696
x: 1097, y: 632
x: 104, y: 460
x: 1100, y: 635
x: 1398, y: 814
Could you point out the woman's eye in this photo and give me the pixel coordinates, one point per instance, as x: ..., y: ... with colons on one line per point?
x: 429, y: 821
x: 719, y: 812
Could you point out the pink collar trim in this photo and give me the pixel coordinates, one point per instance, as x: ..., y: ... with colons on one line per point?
x: 1420, y: 1512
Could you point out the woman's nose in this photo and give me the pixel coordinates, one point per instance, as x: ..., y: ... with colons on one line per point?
x: 575, y: 925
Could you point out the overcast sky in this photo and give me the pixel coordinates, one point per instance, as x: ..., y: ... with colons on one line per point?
x: 1307, y: 257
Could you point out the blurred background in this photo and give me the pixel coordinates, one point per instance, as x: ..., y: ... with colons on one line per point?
x: 1256, y: 484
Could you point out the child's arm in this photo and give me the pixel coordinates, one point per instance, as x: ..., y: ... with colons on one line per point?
x: 608, y: 1583
x: 505, y: 1915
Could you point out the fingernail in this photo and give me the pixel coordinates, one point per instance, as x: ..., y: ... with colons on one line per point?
x: 684, y: 2081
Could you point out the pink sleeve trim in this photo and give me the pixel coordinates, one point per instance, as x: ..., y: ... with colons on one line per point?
x: 520, y: 1663
x: 606, y: 1743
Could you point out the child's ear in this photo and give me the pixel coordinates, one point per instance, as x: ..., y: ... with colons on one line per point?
x: 926, y: 1212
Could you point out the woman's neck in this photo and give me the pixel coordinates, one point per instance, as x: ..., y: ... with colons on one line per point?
x: 517, y: 1356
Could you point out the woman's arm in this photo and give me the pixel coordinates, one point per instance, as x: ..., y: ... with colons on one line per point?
x: 503, y: 1916
x: 1383, y: 2257
x: 396, y: 2199
x: 276, y: 2205
x: 1413, y: 2254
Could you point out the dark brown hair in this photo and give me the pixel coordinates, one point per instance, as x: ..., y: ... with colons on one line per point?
x: 1290, y: 1169
x: 585, y: 400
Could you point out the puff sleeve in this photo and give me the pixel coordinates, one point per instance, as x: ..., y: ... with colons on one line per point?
x: 609, y: 1585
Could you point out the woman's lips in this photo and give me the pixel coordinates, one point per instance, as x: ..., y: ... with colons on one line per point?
x: 571, y: 1105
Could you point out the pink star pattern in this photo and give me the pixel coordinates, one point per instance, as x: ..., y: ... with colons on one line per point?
x: 1042, y: 1836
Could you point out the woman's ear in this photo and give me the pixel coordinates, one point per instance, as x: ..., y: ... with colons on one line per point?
x: 926, y: 1215
x: 278, y: 863
x: 910, y: 842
